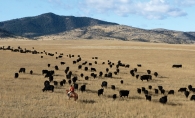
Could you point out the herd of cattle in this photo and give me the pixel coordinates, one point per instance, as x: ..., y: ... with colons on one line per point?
x: 72, y: 78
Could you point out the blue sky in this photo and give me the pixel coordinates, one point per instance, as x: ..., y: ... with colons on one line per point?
x: 147, y: 14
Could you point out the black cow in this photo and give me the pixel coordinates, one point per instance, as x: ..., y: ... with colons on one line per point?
x: 90, y: 64
x: 139, y: 65
x: 186, y: 93
x: 135, y: 69
x: 149, y: 87
x: 100, y: 73
x: 74, y: 79
x: 48, y: 65
x: 117, y: 70
x: 107, y: 69
x: 80, y: 67
x: 192, y: 97
x: 162, y: 91
x: 109, y: 75
x: 143, y: 89
x: 121, y: 81
x: 55, y: 83
x: 146, y: 77
x: 171, y: 92
x: 146, y: 92
x: 160, y: 87
x: 64, y: 81
x: 95, y: 62
x: 182, y: 89
x: 74, y: 62
x: 139, y: 90
x: 149, y: 71
x: 156, y: 91
x: 93, y: 69
x: 62, y: 63
x: 114, y: 96
x: 86, y: 77
x: 177, y: 66
x: 82, y: 75
x: 56, y: 68
x: 31, y: 72
x: 100, y: 92
x: 190, y: 87
x: 46, y: 83
x: 113, y: 87
x: 50, y: 78
x: 16, y: 75
x: 124, y: 93
x: 61, y: 83
x: 69, y: 82
x: 76, y: 86
x: 86, y: 68
x: 47, y: 88
x: 22, y: 70
x: 104, y: 84
x: 137, y: 76
x: 148, y: 97
x: 82, y: 88
x: 155, y: 74
x: 163, y: 100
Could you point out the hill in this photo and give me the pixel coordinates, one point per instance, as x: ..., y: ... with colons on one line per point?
x: 5, y: 34
x: 48, y: 23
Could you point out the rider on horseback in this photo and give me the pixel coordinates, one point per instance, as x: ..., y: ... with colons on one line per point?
x: 71, y: 90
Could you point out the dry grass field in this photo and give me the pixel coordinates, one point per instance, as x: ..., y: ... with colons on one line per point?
x: 23, y: 97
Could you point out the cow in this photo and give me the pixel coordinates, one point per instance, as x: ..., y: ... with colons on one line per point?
x: 113, y: 87
x: 160, y: 87
x: 149, y: 87
x: 104, y: 84
x: 148, y: 97
x: 82, y: 75
x: 86, y: 68
x: 162, y: 91
x: 156, y: 91
x: 82, y: 88
x: 139, y: 65
x: 46, y: 83
x: 31, y: 72
x: 76, y: 86
x: 124, y: 93
x: 107, y: 70
x: 171, y: 92
x: 139, y: 90
x: 146, y: 92
x: 74, y: 62
x: 48, y: 87
x: 86, y: 77
x: 143, y: 89
x: 61, y: 83
x: 186, y: 93
x: 96, y: 57
x: 182, y: 89
x: 93, y: 69
x: 74, y: 79
x: 48, y: 65
x: 137, y: 76
x: 155, y: 74
x: 62, y: 63
x: 56, y: 67
x: 55, y: 83
x: 100, y: 92
x: 100, y: 73
x: 95, y: 62
x: 109, y: 75
x: 16, y: 75
x: 90, y: 64
x: 69, y: 82
x: 114, y: 96
x: 127, y: 66
x: 190, y: 87
x: 115, y: 72
x: 192, y: 97
x: 80, y: 67
x: 163, y: 100
x: 177, y: 66
x: 121, y: 81
x: 22, y: 70
x: 149, y: 71
x: 50, y: 78
x: 64, y: 81
x: 146, y: 77
x: 135, y: 69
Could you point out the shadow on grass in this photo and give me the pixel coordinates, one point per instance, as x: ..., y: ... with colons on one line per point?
x: 87, y: 101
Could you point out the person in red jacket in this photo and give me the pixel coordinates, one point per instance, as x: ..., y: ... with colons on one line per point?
x: 71, y: 90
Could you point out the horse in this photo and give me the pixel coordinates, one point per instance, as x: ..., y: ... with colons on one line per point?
x: 72, y: 95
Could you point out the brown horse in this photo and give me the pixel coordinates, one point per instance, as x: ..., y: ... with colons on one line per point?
x: 72, y: 95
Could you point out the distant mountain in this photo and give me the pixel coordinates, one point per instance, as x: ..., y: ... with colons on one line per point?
x: 127, y: 33
x: 48, y: 23
x: 70, y: 27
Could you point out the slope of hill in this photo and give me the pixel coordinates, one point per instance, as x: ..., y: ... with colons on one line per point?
x: 48, y: 23
x: 126, y: 33
x: 5, y: 34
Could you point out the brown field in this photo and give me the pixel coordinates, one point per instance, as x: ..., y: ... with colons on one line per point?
x: 23, y: 97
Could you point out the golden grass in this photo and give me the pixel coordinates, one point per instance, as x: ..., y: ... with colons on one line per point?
x: 23, y: 97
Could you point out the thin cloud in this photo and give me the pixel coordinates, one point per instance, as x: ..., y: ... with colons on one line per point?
x: 185, y: 3
x: 152, y: 9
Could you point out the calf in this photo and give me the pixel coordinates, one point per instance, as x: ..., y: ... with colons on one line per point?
x: 16, y: 75
x: 100, y: 92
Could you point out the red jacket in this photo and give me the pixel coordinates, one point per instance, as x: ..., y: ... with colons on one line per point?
x: 72, y: 89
